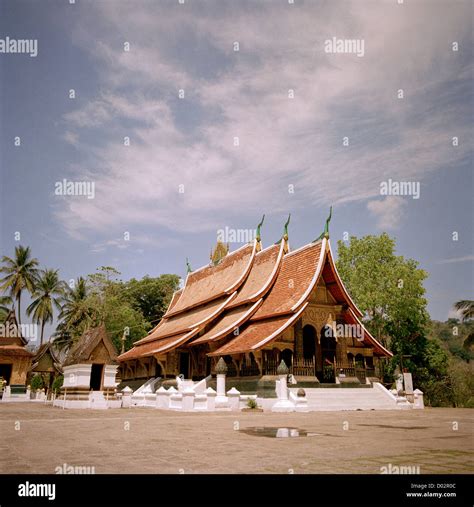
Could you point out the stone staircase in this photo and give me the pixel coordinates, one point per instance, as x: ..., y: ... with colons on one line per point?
x: 97, y: 400
x: 373, y: 398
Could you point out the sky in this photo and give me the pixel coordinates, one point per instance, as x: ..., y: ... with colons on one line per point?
x: 196, y: 116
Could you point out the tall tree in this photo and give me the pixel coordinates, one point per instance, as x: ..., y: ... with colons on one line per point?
x: 5, y: 306
x: 151, y: 295
x: 76, y: 311
x: 47, y: 294
x: 466, y: 308
x: 21, y: 273
x: 389, y: 290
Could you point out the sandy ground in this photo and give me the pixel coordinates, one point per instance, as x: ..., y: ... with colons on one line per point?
x: 37, y: 438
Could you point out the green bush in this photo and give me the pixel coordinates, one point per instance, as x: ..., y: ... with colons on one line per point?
x: 251, y: 403
x: 57, y: 383
x: 36, y: 382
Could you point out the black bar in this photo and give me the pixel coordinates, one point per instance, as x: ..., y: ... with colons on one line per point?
x: 289, y: 490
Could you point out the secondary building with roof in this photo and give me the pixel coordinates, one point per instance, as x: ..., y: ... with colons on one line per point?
x: 90, y: 370
x: 254, y: 307
x: 46, y: 364
x: 15, y: 359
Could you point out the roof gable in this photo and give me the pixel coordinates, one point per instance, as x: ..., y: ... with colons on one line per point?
x: 82, y: 351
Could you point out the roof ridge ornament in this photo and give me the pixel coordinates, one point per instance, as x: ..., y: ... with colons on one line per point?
x: 188, y: 266
x: 325, y: 233
x: 285, y: 231
x: 259, y: 226
x: 285, y: 228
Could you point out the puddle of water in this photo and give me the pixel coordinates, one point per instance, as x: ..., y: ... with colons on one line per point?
x: 273, y: 432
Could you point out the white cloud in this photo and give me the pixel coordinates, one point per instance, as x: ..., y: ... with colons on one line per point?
x: 282, y: 141
x: 456, y: 260
x: 71, y: 137
x: 388, y: 211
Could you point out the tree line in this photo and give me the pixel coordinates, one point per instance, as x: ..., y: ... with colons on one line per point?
x: 127, y: 309
x: 389, y: 291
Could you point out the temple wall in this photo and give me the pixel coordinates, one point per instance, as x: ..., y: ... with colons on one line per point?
x: 20, y: 367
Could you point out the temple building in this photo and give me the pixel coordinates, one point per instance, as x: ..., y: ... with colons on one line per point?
x: 90, y: 371
x: 46, y: 364
x: 254, y: 307
x: 15, y: 359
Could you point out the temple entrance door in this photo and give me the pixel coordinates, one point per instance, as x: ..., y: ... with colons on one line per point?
x: 328, y: 353
x: 6, y: 372
x: 184, y: 364
x: 309, y: 342
x: 287, y: 356
x: 96, y: 377
x: 158, y: 372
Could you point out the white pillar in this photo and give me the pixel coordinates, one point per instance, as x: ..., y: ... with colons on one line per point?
x: 221, y: 401
x: 220, y: 384
x: 162, y: 398
x: 126, y: 397
x: 211, y: 399
x: 283, y: 404
x: 188, y: 399
x: 419, y: 402
x: 234, y: 398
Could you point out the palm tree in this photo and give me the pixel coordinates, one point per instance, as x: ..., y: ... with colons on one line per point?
x: 21, y: 273
x: 466, y: 308
x: 49, y: 289
x: 5, y: 304
x: 76, y: 314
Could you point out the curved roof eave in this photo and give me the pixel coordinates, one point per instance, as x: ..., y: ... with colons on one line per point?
x: 373, y: 341
x: 340, y: 282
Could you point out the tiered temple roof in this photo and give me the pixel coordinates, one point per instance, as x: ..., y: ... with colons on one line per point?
x: 12, y: 342
x: 259, y: 292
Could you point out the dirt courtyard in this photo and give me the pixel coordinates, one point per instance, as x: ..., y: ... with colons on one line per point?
x: 37, y: 438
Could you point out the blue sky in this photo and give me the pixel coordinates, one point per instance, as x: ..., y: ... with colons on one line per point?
x: 282, y: 141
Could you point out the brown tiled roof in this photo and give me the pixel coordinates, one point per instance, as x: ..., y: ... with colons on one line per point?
x: 258, y: 334
x: 10, y: 326
x: 278, y: 285
x: 296, y: 275
x: 228, y: 323
x: 156, y: 346
x: 335, y: 285
x: 211, y: 282
x: 14, y: 350
x: 174, y: 300
x: 184, y: 322
x: 86, y: 344
x: 205, y: 295
x: 261, y: 276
